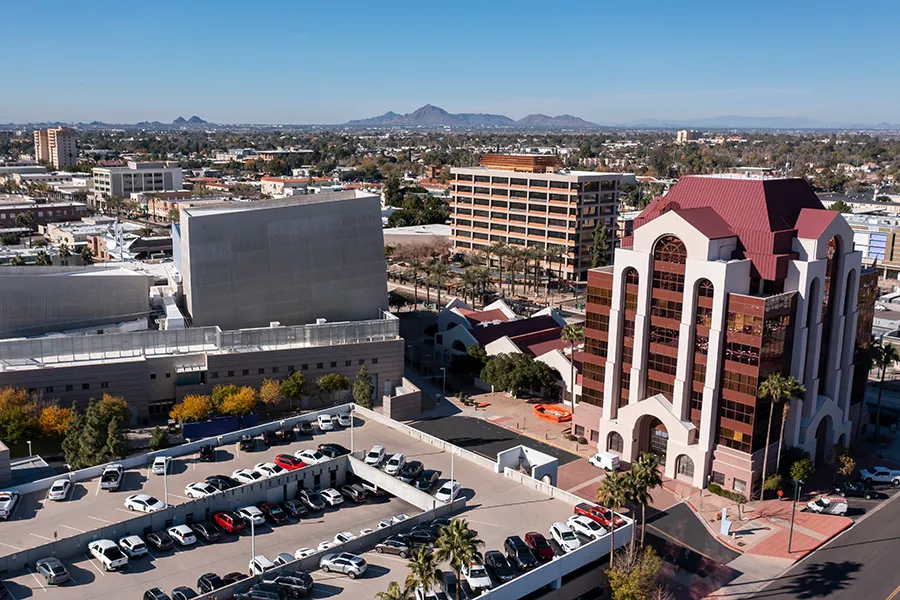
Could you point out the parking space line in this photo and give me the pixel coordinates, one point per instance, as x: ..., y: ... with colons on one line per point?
x: 482, y: 523
x: 394, y: 558
x: 73, y: 528
x: 98, y: 569
x: 11, y: 594
x: 43, y: 537
x: 181, y: 497
x: 125, y: 510
x: 97, y: 493
x: 40, y: 583
x: 16, y: 548
x: 101, y: 520
x: 150, y: 554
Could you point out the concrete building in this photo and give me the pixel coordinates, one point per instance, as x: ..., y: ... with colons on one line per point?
x: 686, y: 135
x: 529, y: 201
x: 41, y: 214
x: 291, y: 260
x: 46, y: 178
x: 56, y: 146
x: 878, y: 238
x: 278, y: 187
x: 726, y: 280
x: 121, y: 182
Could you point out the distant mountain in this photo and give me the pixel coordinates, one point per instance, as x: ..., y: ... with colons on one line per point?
x: 195, y: 120
x: 179, y: 121
x: 539, y: 120
x: 435, y: 116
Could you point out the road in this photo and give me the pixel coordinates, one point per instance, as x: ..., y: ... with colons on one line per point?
x: 861, y: 563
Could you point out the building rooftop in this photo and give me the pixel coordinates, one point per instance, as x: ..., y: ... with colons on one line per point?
x: 512, y: 329
x: 215, y: 209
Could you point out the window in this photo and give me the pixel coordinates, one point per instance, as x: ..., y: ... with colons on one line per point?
x: 598, y: 322
x: 626, y: 381
x: 85, y: 386
x: 664, y: 336
x: 245, y: 372
x: 667, y: 309
x: 629, y: 328
x: 48, y: 389
x: 261, y: 371
x: 374, y: 361
x: 601, y: 296
x: 70, y: 388
x: 579, y: 430
x: 704, y: 315
x: 717, y: 478
x: 596, y: 347
x: 291, y: 369
x: 594, y: 372
x: 705, y: 288
x: 701, y: 344
x: 615, y: 443
x: 664, y: 280
x: 276, y: 369
x: 592, y: 397
x: 627, y: 355
x: 231, y: 373
x: 740, y: 485
x: 671, y: 250
x: 632, y: 277
x: 104, y: 385
x: 658, y: 387
x: 742, y: 353
x: 662, y: 363
x: 348, y: 363
x: 215, y: 375
x: 595, y: 436
x: 304, y: 367
x: 153, y: 375
x: 320, y: 365
x: 361, y: 361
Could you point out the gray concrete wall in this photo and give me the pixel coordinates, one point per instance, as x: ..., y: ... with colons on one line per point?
x: 404, y: 407
x: 37, y: 300
x: 5, y: 473
x: 291, y: 262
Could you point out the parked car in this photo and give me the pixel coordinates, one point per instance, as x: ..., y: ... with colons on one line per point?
x: 284, y: 436
x: 310, y: 457
x: 355, y: 492
x: 8, y: 502
x: 54, y: 572
x: 499, y: 566
x: 199, y: 490
x: 160, y: 540
x: 828, y: 506
x: 325, y: 422
x: 563, y: 535
x: 260, y: 564
x: 447, y: 587
x: 344, y: 419
x: 252, y: 514
x: 394, y: 545
x: 151, y: 594
x: 589, y: 528
x: 326, y: 545
x: 288, y: 462
x: 304, y: 428
x: 133, y: 546
x: 269, y: 438
x: 229, y: 522
x: 343, y: 537
x: 269, y: 469
x: 248, y: 443
x: 234, y: 577
x: 247, y: 476
x: 59, y: 490
x: 476, y: 577
x: 605, y: 460
x: 283, y: 559
x: 602, y: 515
x: 539, y: 546
x: 519, y: 554
x: 108, y: 553
x: 259, y: 591
x: 295, y: 508
x: 209, y: 582
x: 419, y: 537
x: 333, y: 450
x: 183, y: 592
x: 410, y: 471
x: 223, y: 482
x: 297, y: 584
x: 880, y: 475
x: 372, y: 489
x: 857, y: 489
x: 206, y: 531
x: 207, y: 453
x: 448, y: 492
x: 350, y: 564
x: 375, y: 456
x: 182, y: 534
x: 301, y: 553
x: 273, y: 513
x: 111, y: 478
x: 394, y: 464
x: 399, y: 518
x: 161, y: 465
x: 332, y: 497
x: 311, y: 499
x: 144, y: 503
x: 427, y: 480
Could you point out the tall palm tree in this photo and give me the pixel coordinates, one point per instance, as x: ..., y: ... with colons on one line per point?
x: 536, y: 255
x: 422, y: 570
x: 469, y: 281
x: 501, y: 251
x: 572, y: 334
x: 394, y: 592
x: 777, y: 388
x: 438, y: 273
x: 613, y: 494
x: 416, y: 266
x: 458, y: 545
x: 43, y: 259
x: 885, y: 356
x: 554, y: 254
x: 518, y: 261
x: 483, y: 275
x: 646, y: 478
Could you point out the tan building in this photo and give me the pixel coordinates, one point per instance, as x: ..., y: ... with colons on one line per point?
x: 530, y: 201
x: 686, y: 135
x: 56, y: 146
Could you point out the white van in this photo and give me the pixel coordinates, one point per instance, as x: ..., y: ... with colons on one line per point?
x: 605, y: 460
x: 828, y: 506
x: 260, y: 565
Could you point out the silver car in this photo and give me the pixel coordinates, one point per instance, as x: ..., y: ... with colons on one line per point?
x: 351, y: 565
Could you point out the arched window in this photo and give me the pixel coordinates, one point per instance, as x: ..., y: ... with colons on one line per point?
x: 615, y: 443
x: 458, y: 346
x: 631, y: 276
x: 684, y: 466
x: 671, y: 250
x: 848, y: 293
x: 704, y: 288
x: 630, y: 291
x: 812, y: 304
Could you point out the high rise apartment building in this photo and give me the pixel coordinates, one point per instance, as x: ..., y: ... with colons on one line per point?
x: 725, y: 281
x: 56, y: 146
x: 530, y: 201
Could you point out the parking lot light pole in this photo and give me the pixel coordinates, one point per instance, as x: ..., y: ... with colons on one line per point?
x: 29, y: 449
x: 252, y: 541
x: 444, y: 383
x: 797, y: 485
x: 352, y: 406
x: 166, y: 482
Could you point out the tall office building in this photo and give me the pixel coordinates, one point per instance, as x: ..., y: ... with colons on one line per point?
x: 121, y: 182
x: 56, y: 146
x: 725, y: 281
x: 530, y: 201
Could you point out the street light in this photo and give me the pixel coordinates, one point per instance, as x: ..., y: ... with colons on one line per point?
x: 444, y: 384
x: 252, y: 540
x: 29, y: 449
x: 166, y: 482
x: 352, y: 406
x: 797, y: 485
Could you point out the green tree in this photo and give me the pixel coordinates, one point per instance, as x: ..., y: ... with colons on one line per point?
x: 71, y: 444
x: 331, y: 384
x: 600, y: 245
x: 87, y: 255
x: 221, y: 392
x: 572, y: 334
x: 92, y: 449
x: 17, y: 261
x: 394, y: 592
x: 458, y: 545
x: 416, y: 267
x: 64, y: 253
x: 294, y: 387
x: 515, y: 372
x: 19, y: 415
x: 646, y: 477
x: 42, y: 259
x: 773, y: 483
x: 422, y: 569
x: 885, y: 356
x: 159, y: 439
x: 841, y: 207
x: 393, y: 196
x: 174, y: 215
x: 116, y: 444
x: 438, y: 273
x: 777, y: 388
x: 363, y: 388
x: 613, y: 494
x: 633, y: 574
x: 801, y: 470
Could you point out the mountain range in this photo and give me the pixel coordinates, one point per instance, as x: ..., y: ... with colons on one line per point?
x: 435, y: 116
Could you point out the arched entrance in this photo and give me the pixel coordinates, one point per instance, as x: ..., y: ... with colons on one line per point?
x: 684, y: 467
x: 656, y: 439
x: 823, y: 436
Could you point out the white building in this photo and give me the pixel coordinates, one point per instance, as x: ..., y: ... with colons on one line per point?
x: 121, y: 182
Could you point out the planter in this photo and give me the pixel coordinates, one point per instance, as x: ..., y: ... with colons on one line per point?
x: 554, y: 414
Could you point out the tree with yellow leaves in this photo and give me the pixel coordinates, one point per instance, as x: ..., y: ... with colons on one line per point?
x: 270, y: 393
x: 193, y: 408
x: 242, y: 402
x: 54, y: 420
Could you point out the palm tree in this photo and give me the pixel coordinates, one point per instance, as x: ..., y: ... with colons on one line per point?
x: 572, y: 334
x: 43, y: 259
x: 469, y: 281
x: 613, y: 494
x: 516, y: 262
x: 501, y: 251
x: 777, y: 388
x: 458, y: 545
x: 536, y: 255
x: 416, y: 266
x: 885, y: 356
x: 394, y: 592
x: 483, y: 277
x: 646, y: 477
x: 554, y: 253
x: 438, y: 272
x: 422, y: 570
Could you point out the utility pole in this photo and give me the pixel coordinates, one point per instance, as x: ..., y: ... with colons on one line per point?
x: 797, y: 485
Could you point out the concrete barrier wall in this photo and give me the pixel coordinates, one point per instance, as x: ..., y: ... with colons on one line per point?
x: 404, y: 491
x: 544, y: 488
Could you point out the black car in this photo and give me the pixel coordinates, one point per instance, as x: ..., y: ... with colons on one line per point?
x: 857, y: 489
x: 304, y: 428
x: 160, y: 540
x: 248, y: 443
x: 394, y: 545
x: 260, y: 591
x: 269, y: 438
x: 333, y: 450
x: 223, y: 483
x: 417, y: 539
x: 295, y: 508
x: 151, y: 594
x: 499, y: 566
x: 234, y: 577
x: 285, y: 436
x: 209, y: 582
x: 411, y: 471
x: 311, y: 499
x: 206, y: 531
x: 355, y: 492
x: 274, y: 514
x: 427, y: 480
x: 519, y: 554
x: 207, y: 453
x: 448, y: 583
x: 183, y: 592
x: 430, y: 529
x: 295, y: 583
x: 442, y: 522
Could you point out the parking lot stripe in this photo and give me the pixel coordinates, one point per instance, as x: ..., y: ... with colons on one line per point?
x: 40, y: 583
x: 482, y: 523
x: 16, y: 548
x: 125, y: 510
x: 43, y: 537
x: 99, y: 570
x: 98, y: 489
x: 73, y: 528
x: 394, y: 558
x: 101, y: 520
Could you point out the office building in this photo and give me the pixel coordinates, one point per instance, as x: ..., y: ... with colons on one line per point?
x: 686, y: 135
x: 40, y: 214
x: 725, y: 281
x: 121, y: 182
x: 56, y: 146
x: 530, y: 201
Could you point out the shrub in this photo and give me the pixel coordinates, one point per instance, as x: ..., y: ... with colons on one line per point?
x: 159, y: 439
x: 773, y: 483
x: 716, y: 489
x: 570, y: 437
x: 582, y: 440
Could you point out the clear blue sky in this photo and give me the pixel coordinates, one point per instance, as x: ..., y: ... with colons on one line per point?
x: 305, y: 61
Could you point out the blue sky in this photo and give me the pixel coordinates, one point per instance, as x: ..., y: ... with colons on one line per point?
x: 305, y: 61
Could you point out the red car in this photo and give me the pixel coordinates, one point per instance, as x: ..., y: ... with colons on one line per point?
x: 229, y: 522
x: 288, y: 462
x: 539, y: 545
x: 599, y: 514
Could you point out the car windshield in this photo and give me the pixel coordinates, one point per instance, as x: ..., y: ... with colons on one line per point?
x: 477, y: 571
x: 566, y: 535
x: 151, y: 500
x: 592, y: 525
x: 373, y: 454
x: 541, y: 542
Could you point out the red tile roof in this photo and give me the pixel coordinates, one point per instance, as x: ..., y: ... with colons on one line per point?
x: 707, y: 221
x: 486, y: 335
x: 540, y: 342
x: 812, y: 223
x: 483, y: 316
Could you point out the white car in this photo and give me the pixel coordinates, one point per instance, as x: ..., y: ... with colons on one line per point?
x: 326, y: 545
x: 283, y: 559
x: 448, y: 492
x: 303, y: 553
x: 828, y: 506
x: 565, y: 537
x: 260, y: 564
x: 880, y: 475
x: 160, y: 465
x: 344, y: 536
x: 59, y: 490
x: 251, y: 514
x: 8, y: 501
x: 394, y: 464
x: 247, y: 476
x: 366, y: 531
x: 332, y: 497
x: 199, y: 490
x: 182, y: 534
x: 310, y: 457
x: 375, y: 456
x: 589, y: 528
x: 144, y: 503
x: 108, y: 554
x: 399, y: 518
x: 477, y: 577
x: 605, y: 460
x: 384, y: 523
x: 344, y: 419
x: 133, y: 546
x: 325, y: 422
x: 350, y: 564
x: 269, y: 469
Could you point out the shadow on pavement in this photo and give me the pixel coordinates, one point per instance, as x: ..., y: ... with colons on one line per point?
x: 79, y: 576
x: 223, y: 455
x: 17, y: 590
x: 132, y: 481
x: 78, y: 492
x: 818, y: 580
x: 324, y: 590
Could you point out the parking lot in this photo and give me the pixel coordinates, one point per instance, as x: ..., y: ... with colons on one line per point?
x: 498, y: 507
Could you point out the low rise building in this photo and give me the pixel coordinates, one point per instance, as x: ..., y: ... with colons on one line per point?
x: 40, y: 214
x: 121, y: 182
x: 279, y: 187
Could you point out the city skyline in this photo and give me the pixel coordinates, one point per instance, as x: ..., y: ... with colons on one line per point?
x: 229, y: 64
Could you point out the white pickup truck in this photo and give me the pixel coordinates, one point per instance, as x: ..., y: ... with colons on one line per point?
x: 108, y: 553
x: 112, y: 476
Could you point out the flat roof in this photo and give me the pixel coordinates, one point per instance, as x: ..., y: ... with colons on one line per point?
x: 433, y: 229
x: 230, y: 207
